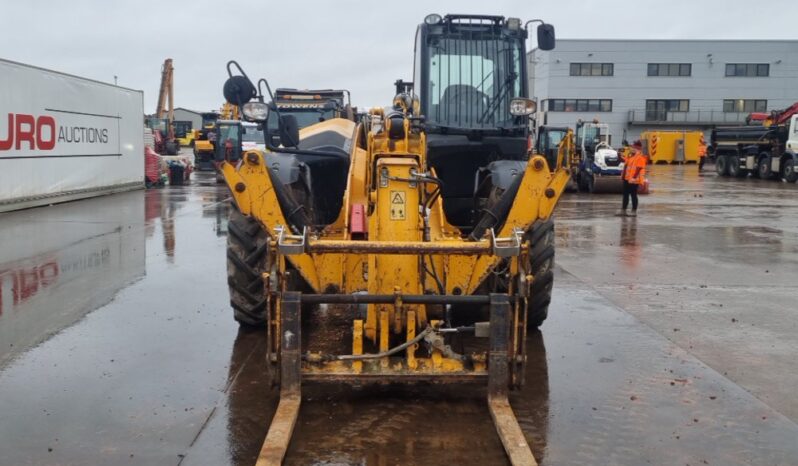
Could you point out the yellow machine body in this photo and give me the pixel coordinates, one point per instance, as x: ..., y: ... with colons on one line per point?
x: 404, y: 270
x: 394, y: 222
x: 395, y: 218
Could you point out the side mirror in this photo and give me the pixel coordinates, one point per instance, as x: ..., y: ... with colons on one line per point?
x: 289, y: 131
x: 238, y: 90
x: 546, y: 37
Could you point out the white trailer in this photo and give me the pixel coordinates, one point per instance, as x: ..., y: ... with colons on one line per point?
x: 63, y: 137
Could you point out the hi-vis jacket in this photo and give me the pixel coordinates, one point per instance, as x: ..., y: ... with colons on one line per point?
x: 634, y: 169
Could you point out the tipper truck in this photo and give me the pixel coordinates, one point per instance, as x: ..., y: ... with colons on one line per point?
x: 763, y: 151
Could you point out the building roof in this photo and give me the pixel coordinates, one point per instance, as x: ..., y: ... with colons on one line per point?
x: 189, y: 111
x: 582, y: 39
x: 787, y: 42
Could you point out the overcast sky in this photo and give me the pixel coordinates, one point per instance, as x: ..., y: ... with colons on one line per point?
x: 363, y: 46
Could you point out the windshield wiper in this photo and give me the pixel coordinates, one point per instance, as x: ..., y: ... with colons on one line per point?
x: 499, y: 97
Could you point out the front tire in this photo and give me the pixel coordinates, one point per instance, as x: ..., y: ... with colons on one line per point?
x: 247, y: 254
x: 788, y: 171
x: 541, y: 265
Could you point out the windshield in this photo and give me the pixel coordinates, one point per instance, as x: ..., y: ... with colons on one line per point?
x: 551, y: 140
x: 471, y: 81
x: 304, y: 118
x: 230, y: 132
x: 181, y: 128
x: 157, y: 124
x: 252, y: 134
x: 591, y: 135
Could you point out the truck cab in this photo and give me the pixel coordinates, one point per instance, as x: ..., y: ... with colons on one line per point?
x: 763, y: 151
x: 792, y: 136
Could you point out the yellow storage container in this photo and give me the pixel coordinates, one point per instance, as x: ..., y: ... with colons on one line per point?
x: 672, y: 146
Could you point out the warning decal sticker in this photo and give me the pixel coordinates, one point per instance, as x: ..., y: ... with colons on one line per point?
x: 398, y: 205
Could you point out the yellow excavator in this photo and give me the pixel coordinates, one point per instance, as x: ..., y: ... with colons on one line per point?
x: 420, y: 226
x: 214, y: 125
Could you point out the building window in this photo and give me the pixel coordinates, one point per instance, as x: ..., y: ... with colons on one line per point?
x: 670, y: 69
x: 748, y: 69
x: 580, y: 105
x: 745, y: 105
x: 592, y: 69
x: 657, y: 110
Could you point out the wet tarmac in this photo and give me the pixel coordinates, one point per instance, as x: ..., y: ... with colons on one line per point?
x: 671, y: 340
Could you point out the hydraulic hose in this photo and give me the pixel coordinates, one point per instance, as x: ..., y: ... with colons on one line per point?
x: 390, y: 352
x: 498, y: 213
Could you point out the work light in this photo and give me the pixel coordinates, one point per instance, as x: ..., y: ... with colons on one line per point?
x: 521, y: 106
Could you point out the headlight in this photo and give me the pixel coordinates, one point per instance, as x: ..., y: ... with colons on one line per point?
x: 521, y: 107
x: 256, y: 111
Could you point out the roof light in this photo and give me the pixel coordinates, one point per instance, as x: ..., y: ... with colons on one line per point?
x: 433, y: 18
x: 513, y: 24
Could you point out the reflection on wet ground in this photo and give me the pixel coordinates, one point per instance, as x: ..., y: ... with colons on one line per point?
x: 154, y: 371
x: 57, y: 264
x: 709, y: 263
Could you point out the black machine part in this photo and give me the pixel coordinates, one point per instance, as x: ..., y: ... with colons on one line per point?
x: 458, y: 158
x: 493, y: 216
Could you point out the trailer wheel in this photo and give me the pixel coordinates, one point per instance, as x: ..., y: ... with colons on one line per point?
x: 734, y: 167
x: 722, y: 165
x: 541, y: 258
x: 788, y: 171
x: 247, y: 251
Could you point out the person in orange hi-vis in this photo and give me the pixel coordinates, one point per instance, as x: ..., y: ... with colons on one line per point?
x: 702, y: 153
x: 633, y: 175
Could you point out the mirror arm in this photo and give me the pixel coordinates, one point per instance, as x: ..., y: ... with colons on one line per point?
x: 526, y: 25
x: 240, y: 70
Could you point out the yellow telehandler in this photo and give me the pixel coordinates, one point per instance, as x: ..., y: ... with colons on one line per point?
x: 423, y: 224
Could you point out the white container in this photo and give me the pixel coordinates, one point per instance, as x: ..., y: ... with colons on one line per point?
x: 64, y: 138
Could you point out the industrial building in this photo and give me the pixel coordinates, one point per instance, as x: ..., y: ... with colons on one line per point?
x: 634, y: 85
x: 184, y: 114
